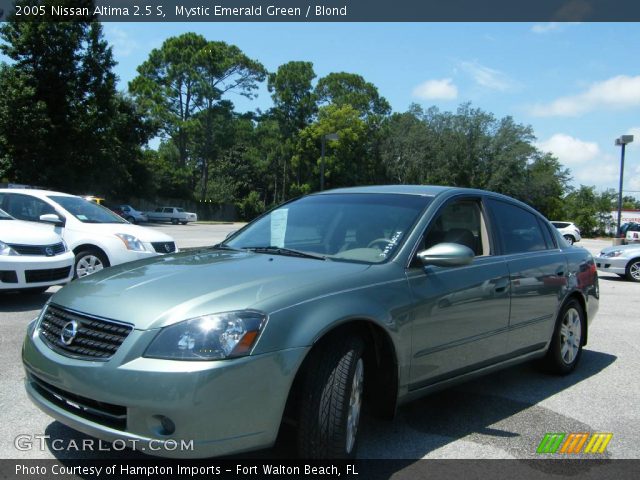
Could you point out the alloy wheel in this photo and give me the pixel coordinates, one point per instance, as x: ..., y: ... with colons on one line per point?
x: 570, y: 335
x: 87, y: 265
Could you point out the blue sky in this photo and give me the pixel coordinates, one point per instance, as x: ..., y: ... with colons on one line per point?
x: 578, y: 85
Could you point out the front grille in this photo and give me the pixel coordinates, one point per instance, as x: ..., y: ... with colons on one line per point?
x: 8, y: 276
x: 114, y: 416
x: 50, y: 275
x: 164, y: 247
x: 95, y: 338
x: 40, y: 250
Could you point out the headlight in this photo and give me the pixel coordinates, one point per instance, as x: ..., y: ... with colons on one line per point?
x: 211, y: 337
x: 6, y: 249
x: 615, y: 253
x: 131, y: 242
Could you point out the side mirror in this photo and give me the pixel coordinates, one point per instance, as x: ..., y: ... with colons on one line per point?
x: 446, y: 255
x: 52, y: 218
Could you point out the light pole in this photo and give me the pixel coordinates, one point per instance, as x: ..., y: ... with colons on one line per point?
x: 621, y: 141
x: 328, y: 136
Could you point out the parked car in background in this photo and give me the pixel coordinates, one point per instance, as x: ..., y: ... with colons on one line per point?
x: 569, y: 231
x: 174, y: 215
x: 621, y: 259
x: 630, y: 232
x: 351, y: 298
x: 132, y: 215
x: 32, y: 257
x: 98, y: 237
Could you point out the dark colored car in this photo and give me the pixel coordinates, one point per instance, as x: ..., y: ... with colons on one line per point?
x: 373, y: 295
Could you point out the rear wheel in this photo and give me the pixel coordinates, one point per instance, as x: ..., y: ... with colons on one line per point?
x: 570, y: 240
x: 633, y: 270
x: 565, y: 349
x: 89, y: 261
x: 331, y: 399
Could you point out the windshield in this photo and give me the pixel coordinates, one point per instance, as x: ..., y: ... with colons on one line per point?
x: 86, y: 212
x: 350, y: 227
x: 5, y: 216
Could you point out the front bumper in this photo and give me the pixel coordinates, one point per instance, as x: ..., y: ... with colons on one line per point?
x: 49, y: 271
x: 612, y: 264
x: 223, y: 407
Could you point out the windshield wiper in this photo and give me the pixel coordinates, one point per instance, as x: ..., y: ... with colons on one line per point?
x: 286, y: 251
x: 223, y: 246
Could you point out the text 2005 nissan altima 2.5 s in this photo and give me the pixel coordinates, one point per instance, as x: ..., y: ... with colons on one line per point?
x: 348, y: 299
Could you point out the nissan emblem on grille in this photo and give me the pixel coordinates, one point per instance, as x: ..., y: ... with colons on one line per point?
x: 167, y: 247
x: 69, y: 332
x: 49, y: 251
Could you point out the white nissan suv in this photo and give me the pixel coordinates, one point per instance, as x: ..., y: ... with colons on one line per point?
x: 98, y: 237
x: 569, y: 231
x: 32, y: 257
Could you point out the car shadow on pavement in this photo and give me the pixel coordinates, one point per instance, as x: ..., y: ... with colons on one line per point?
x: 500, y: 413
x: 12, y: 302
x: 614, y: 278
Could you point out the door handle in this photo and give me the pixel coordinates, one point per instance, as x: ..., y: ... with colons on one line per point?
x: 501, y: 285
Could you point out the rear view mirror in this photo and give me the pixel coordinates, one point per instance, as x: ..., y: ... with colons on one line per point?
x: 52, y: 218
x: 446, y: 255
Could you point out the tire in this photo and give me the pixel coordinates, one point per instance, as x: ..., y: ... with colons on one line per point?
x: 130, y: 219
x: 89, y: 261
x: 632, y: 272
x: 570, y: 240
x: 174, y: 221
x: 565, y: 348
x: 183, y: 223
x: 331, y: 400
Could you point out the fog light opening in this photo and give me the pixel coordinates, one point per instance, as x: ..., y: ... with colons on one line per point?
x: 164, y: 425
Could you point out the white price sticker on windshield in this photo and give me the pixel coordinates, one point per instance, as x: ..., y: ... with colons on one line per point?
x: 279, y: 227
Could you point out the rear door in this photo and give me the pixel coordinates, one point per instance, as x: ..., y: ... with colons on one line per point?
x: 537, y: 273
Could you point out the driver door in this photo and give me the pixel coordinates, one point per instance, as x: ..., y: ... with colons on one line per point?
x: 460, y: 314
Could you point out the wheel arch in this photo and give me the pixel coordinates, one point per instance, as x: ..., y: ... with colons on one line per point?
x: 91, y: 246
x: 381, y: 366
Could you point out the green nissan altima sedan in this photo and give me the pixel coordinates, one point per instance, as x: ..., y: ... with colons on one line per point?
x: 348, y: 299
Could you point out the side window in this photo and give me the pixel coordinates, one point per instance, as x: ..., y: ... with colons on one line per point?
x: 159, y: 210
x: 460, y: 222
x: 546, y: 233
x: 518, y: 229
x: 25, y: 207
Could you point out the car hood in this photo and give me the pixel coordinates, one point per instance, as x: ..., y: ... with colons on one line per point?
x: 107, y: 229
x: 626, y: 249
x: 163, y: 290
x: 27, y: 233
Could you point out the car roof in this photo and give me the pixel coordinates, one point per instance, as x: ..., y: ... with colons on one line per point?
x: 36, y: 192
x: 423, y: 190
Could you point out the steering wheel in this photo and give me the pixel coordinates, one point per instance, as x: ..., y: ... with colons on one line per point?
x: 381, y: 240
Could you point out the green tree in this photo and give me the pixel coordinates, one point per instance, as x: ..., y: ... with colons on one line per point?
x: 60, y: 112
x: 182, y: 84
x: 351, y: 89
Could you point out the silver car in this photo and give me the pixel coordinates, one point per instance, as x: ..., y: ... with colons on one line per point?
x: 621, y: 259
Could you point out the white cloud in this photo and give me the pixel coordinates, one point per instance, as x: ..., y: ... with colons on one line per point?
x: 634, y: 182
x: 542, y: 28
x: 123, y: 45
x: 618, y: 92
x: 603, y: 174
x: 570, y: 150
x: 487, y: 77
x: 442, y: 89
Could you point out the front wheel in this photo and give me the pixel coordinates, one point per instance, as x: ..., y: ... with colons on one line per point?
x: 565, y: 349
x: 174, y: 221
x: 633, y: 270
x: 88, y: 262
x: 331, y: 400
x: 570, y: 240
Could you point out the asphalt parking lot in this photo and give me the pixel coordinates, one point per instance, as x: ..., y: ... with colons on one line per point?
x: 504, y: 415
